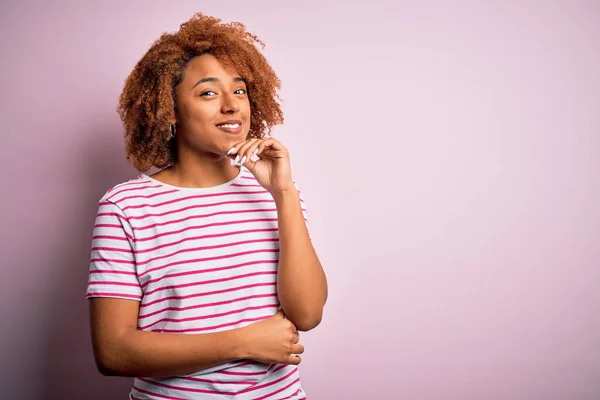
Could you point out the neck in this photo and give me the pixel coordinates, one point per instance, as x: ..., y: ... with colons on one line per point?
x: 200, y: 170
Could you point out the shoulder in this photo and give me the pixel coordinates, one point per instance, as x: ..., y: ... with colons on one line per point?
x: 131, y: 187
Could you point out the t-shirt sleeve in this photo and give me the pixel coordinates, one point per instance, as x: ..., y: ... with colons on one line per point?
x: 112, y: 271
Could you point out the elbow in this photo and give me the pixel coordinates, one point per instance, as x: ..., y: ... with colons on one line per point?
x: 105, y: 367
x: 105, y: 370
x: 305, y: 317
x: 309, y: 322
x: 108, y: 363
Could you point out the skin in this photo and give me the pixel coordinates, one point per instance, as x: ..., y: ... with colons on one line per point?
x: 209, y: 94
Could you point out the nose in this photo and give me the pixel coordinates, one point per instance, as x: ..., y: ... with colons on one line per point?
x: 230, y: 104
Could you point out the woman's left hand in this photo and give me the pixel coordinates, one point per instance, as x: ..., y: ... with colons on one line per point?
x: 272, y: 169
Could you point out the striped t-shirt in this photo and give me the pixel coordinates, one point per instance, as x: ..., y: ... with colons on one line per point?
x: 199, y: 260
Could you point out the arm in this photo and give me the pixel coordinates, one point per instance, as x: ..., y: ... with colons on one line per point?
x: 301, y: 281
x: 119, y: 347
x: 122, y: 350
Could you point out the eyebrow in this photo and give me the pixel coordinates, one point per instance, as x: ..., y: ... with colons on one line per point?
x: 213, y: 79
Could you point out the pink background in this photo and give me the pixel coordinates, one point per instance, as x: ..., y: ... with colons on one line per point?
x: 448, y: 155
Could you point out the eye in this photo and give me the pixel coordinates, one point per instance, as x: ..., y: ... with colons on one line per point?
x: 207, y: 93
x: 240, y: 91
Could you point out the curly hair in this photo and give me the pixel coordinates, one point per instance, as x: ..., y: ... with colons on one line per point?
x: 148, y: 102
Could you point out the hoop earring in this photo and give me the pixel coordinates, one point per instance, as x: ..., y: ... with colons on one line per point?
x: 172, y: 131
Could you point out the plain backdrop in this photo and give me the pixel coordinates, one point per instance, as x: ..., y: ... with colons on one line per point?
x: 448, y: 153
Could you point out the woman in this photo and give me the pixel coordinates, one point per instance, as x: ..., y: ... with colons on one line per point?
x: 203, y: 273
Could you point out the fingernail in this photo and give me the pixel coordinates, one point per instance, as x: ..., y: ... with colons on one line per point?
x: 243, y: 160
x: 255, y: 152
x: 231, y: 150
x: 237, y: 158
x: 231, y: 162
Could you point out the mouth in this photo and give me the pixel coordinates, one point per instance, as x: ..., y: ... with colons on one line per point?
x: 232, y: 127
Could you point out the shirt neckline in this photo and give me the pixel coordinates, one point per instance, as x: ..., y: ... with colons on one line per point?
x: 198, y: 189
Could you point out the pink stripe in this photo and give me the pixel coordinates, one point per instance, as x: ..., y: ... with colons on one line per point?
x: 276, y: 381
x: 202, y: 248
x: 113, y: 226
x: 112, y: 214
x: 243, y: 364
x: 148, y: 196
x: 281, y: 390
x: 198, y: 196
x: 109, y: 260
x: 113, y: 283
x: 218, y: 382
x: 203, y: 271
x: 132, y: 189
x: 209, y: 316
x: 280, y: 367
x: 219, y: 280
x: 189, y: 296
x: 216, y: 303
x: 155, y: 394
x: 216, y: 235
x: 243, y: 253
x: 116, y: 249
x: 176, y: 221
x: 207, y: 328
x: 109, y: 294
x: 109, y: 237
x: 184, y: 389
x: 241, y: 373
x: 108, y: 226
x: 192, y: 207
x: 242, y: 185
x: 130, y: 182
x: 226, y: 372
x: 189, y: 228
x: 110, y: 271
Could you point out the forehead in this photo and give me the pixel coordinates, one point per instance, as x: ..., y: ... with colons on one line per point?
x: 205, y: 66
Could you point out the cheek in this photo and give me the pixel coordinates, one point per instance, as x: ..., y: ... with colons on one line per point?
x: 202, y: 113
x: 245, y: 105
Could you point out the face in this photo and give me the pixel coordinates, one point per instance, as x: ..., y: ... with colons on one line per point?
x: 213, y: 107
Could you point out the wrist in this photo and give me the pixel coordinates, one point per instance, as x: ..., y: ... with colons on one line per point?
x: 231, y: 345
x: 285, y: 194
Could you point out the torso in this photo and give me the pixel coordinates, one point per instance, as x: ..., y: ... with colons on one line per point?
x: 206, y: 261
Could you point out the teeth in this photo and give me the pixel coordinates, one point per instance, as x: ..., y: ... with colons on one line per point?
x: 230, y: 126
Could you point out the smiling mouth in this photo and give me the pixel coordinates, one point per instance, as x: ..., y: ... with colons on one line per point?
x: 232, y: 128
x: 229, y: 126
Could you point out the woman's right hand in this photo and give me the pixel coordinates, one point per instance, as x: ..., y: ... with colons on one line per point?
x: 273, y: 340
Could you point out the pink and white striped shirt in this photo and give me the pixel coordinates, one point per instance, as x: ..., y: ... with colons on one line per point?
x: 199, y: 260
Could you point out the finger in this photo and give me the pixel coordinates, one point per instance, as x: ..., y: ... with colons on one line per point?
x: 274, y: 143
x: 240, y: 151
x: 233, y: 151
x: 296, y: 338
x: 252, y: 150
x: 270, y: 145
x: 297, y: 349
x: 294, y: 360
x: 290, y: 325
